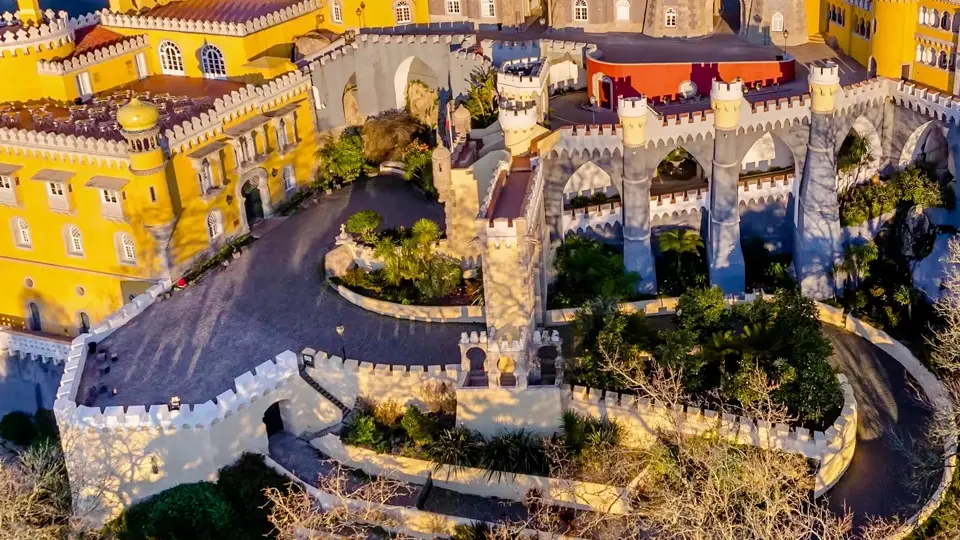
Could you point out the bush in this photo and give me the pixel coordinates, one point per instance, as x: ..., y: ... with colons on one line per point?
x: 341, y: 159
x: 516, y: 452
x: 243, y: 484
x: 418, y: 166
x: 18, y: 428
x: 587, y: 269
x: 476, y: 530
x: 421, y: 428
x: 187, y: 511
x: 364, y: 224
x: 909, y: 187
x: 46, y: 424
x: 385, y: 136
x: 363, y: 431
x: 458, y: 447
x: 387, y: 412
x: 605, y: 334
x: 439, y: 397
x: 702, y: 311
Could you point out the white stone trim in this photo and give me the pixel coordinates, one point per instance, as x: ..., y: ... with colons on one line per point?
x: 148, y: 22
x: 62, y: 67
x: 37, y: 347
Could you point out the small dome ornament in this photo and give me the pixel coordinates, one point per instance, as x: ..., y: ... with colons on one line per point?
x: 137, y: 116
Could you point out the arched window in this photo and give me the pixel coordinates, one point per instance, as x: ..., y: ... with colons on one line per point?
x: 932, y: 17
x: 922, y: 19
x: 945, y: 21
x: 289, y: 182
x: 84, y: 323
x: 942, y: 60
x: 861, y: 28
x: 580, y: 10
x: 919, y: 53
x: 623, y: 10
x: 776, y: 24
x: 336, y: 12
x: 214, y: 225
x: 670, y: 18
x: 833, y: 13
x: 402, y: 12
x: 21, y: 232
x: 74, y: 241
x: 206, y: 176
x: 128, y: 250
x: 930, y: 57
x: 282, y: 134
x: 171, y: 60
x: 211, y: 61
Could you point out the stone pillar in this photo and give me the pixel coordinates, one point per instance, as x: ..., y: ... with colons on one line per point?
x: 817, y: 234
x: 724, y: 252
x: 637, y: 254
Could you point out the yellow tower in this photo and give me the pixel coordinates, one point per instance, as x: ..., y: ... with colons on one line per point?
x: 725, y: 100
x: 29, y: 12
x: 518, y: 120
x: 139, y: 126
x: 824, y: 84
x: 893, y: 43
x: 633, y: 120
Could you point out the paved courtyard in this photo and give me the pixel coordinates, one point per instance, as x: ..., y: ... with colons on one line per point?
x: 268, y: 301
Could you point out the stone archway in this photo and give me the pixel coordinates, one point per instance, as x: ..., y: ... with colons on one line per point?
x: 278, y: 417
x: 863, y: 129
x: 413, y: 69
x: 253, y: 194
x: 678, y: 171
x: 927, y: 144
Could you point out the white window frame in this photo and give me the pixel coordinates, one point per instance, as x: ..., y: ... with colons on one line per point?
x: 776, y: 23
x: 140, y: 60
x: 402, y: 12
x: 580, y: 11
x: 453, y: 7
x: 619, y: 7
x: 336, y: 12
x: 670, y: 18
x: 74, y: 241
x: 920, y: 51
x: 84, y: 85
x: 205, y: 175
x: 214, y: 225
x: 21, y: 231
x: 289, y: 178
x: 8, y: 194
x: 488, y: 8
x: 126, y: 248
x: 282, y: 139
x: 171, y: 58
x: 212, y: 62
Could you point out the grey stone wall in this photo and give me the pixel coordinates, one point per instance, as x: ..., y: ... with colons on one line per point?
x: 757, y: 22
x: 694, y: 17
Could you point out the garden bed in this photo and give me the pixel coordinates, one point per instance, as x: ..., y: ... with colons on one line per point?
x: 225, y: 253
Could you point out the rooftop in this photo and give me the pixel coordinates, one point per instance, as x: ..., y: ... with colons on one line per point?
x: 93, y: 37
x: 223, y: 11
x: 178, y: 99
x: 268, y: 301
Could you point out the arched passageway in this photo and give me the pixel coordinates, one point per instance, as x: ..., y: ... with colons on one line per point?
x: 859, y: 155
x: 679, y: 171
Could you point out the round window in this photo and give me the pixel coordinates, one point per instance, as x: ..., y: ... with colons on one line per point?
x: 81, y: 291
x: 28, y: 282
x: 687, y: 89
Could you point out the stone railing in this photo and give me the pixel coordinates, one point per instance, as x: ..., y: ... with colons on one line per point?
x: 471, y: 481
x: 35, y: 346
x: 90, y: 150
x: 442, y: 314
x: 833, y: 448
x: 348, y: 379
x: 146, y: 22
x: 62, y: 67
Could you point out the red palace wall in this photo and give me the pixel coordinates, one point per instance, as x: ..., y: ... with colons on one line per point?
x: 662, y: 81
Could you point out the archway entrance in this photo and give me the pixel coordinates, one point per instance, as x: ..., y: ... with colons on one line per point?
x: 351, y: 107
x: 34, y: 323
x: 277, y: 417
x: 252, y: 202
x: 927, y: 147
x: 477, y: 376
x: 678, y: 172
x: 413, y: 71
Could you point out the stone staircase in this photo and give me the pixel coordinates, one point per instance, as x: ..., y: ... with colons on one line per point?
x: 323, y: 392
x: 816, y: 38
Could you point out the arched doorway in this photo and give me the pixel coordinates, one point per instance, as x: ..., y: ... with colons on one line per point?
x: 767, y: 218
x: 252, y: 204
x: 34, y: 322
x: 477, y: 376
x: 588, y: 189
x: 679, y: 171
x: 84, y: 323
x: 873, y: 67
x: 278, y: 417
x: 547, y: 356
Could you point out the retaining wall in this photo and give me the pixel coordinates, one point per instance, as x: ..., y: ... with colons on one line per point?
x: 441, y: 314
x: 570, y: 494
x: 35, y: 346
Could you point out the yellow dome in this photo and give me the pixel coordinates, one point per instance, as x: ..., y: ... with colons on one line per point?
x: 137, y: 116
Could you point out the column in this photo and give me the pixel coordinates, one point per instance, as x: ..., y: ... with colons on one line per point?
x: 637, y: 253
x: 817, y: 234
x: 724, y: 252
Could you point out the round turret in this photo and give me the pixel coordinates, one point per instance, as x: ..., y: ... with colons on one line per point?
x: 633, y: 113
x: 137, y: 116
x: 824, y: 80
x: 725, y: 100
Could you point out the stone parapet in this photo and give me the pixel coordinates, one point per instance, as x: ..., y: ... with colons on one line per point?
x: 436, y: 314
x: 56, y: 31
x: 34, y: 346
x: 79, y: 148
x: 83, y: 61
x: 938, y: 105
x: 147, y: 22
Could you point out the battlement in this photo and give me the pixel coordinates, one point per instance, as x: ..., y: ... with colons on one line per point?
x: 146, y: 21
x: 632, y: 107
x: 584, y: 130
x: 336, y: 365
x: 88, y: 149
x: 517, y: 115
x: 825, y: 73
x: 62, y: 67
x: 780, y: 104
x: 944, y: 107
x: 642, y: 414
x: 387, y: 38
x: 862, y: 4
x: 56, y: 31
x: 726, y: 91
x: 522, y: 72
x: 687, y: 118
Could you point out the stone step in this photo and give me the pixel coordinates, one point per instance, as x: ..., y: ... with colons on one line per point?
x: 323, y: 392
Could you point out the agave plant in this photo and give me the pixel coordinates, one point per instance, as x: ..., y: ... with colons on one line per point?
x: 458, y: 447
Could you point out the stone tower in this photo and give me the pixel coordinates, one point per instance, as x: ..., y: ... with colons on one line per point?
x: 817, y: 234
x: 518, y: 119
x: 724, y: 252
x: 637, y: 254
x: 139, y: 126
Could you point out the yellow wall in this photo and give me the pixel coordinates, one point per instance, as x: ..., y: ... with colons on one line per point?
x: 29, y: 84
x: 376, y: 13
x: 104, y: 75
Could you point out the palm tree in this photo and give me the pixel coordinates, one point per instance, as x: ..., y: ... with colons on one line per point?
x: 857, y: 259
x: 680, y: 241
x: 903, y: 295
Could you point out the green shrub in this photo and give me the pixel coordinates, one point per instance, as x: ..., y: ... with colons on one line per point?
x: 387, y: 412
x: 702, y: 311
x: 587, y: 269
x: 18, y: 427
x: 517, y: 452
x: 458, y: 447
x: 421, y: 428
x: 476, y: 530
x: 598, y: 198
x: 341, y: 159
x: 185, y: 512
x: 441, y: 277
x: 579, y: 201
x: 242, y: 484
x: 364, y: 224
x: 580, y: 431
x: 363, y: 282
x: 363, y: 431
x: 418, y: 166
x: 605, y: 334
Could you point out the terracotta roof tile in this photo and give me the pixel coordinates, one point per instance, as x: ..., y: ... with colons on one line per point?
x: 224, y: 11
x: 95, y: 37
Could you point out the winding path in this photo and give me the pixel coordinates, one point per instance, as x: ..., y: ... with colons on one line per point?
x: 268, y: 301
x: 879, y: 480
